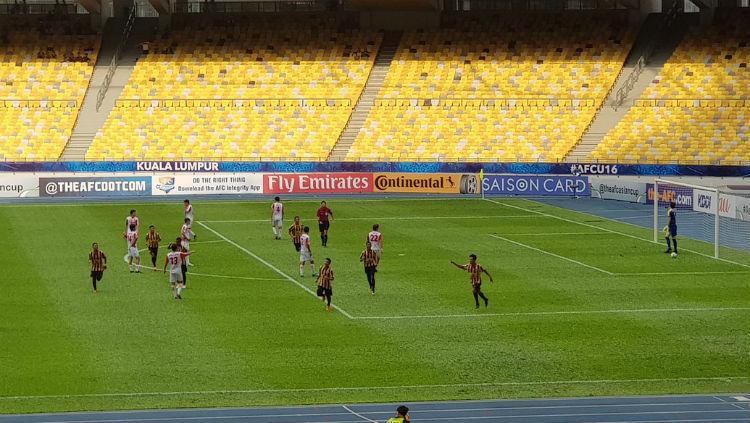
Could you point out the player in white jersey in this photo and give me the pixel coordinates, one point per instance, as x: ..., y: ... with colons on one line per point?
x: 174, y: 261
x: 134, y: 257
x: 277, y: 217
x: 132, y: 220
x: 376, y: 239
x: 305, y: 253
x: 188, y: 211
x: 186, y: 234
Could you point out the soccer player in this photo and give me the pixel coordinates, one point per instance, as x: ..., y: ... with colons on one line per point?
x: 98, y: 261
x: 402, y: 415
x: 277, y: 217
x: 370, y: 259
x: 325, y: 283
x: 152, y: 240
x: 132, y: 220
x: 295, y: 232
x: 175, y: 259
x: 134, y: 256
x: 186, y: 232
x: 305, y: 253
x: 325, y: 215
x: 183, y: 266
x: 476, y: 271
x: 376, y: 239
x: 670, y: 230
x: 188, y: 210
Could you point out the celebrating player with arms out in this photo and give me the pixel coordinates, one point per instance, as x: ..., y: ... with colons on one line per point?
x: 376, y: 239
x: 325, y: 215
x: 277, y: 217
x: 476, y: 271
x: 295, y: 232
x: 174, y: 261
x: 134, y: 257
x: 305, y: 253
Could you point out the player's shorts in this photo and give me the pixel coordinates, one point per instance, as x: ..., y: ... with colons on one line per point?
x: 476, y: 287
x: 277, y: 223
x: 297, y: 246
x: 323, y: 292
x: 305, y: 256
x: 175, y: 276
x: 133, y: 252
x: 185, y: 244
x: 370, y: 269
x: 97, y: 274
x: 323, y: 226
x: 154, y: 251
x: 673, y: 231
x: 378, y: 251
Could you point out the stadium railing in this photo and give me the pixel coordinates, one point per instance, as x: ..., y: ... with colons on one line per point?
x: 41, y: 104
x: 543, y: 4
x: 632, y: 78
x: 486, y: 102
x: 691, y: 102
x: 40, y: 9
x: 234, y: 102
x: 247, y: 6
x: 127, y: 29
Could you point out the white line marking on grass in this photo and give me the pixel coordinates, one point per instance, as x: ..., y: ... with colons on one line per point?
x: 272, y: 267
x: 606, y: 272
x: 556, y: 233
x: 557, y: 313
x: 392, y: 387
x: 739, y: 272
x: 606, y: 229
x: 525, y: 216
x: 209, y: 275
x: 358, y: 415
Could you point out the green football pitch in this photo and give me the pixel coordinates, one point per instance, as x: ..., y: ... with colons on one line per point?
x: 580, y: 306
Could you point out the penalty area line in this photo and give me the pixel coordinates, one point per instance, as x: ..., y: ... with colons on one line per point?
x: 556, y: 313
x: 521, y: 244
x: 499, y: 216
x: 209, y: 275
x: 606, y: 229
x: 384, y: 388
x: 272, y: 267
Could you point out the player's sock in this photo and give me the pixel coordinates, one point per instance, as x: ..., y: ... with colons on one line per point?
x: 153, y: 261
x: 312, y: 269
x: 93, y: 282
x: 179, y: 291
x: 674, y: 242
x: 302, y: 269
x: 669, y: 247
x: 486, y: 300
x: 476, y: 299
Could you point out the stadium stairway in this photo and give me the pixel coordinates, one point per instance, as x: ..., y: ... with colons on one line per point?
x: 89, y: 119
x: 608, y: 116
x: 385, y: 56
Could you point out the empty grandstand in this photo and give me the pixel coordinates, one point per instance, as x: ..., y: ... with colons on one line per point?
x: 696, y: 110
x: 261, y: 89
x: 45, y: 67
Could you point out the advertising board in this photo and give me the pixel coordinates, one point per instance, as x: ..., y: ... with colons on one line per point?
x: 207, y: 183
x: 94, y: 186
x: 317, y: 183
x: 536, y: 185
x: 616, y: 189
x: 426, y: 183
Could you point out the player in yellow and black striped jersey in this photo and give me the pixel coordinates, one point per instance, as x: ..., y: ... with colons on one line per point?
x: 476, y: 270
x: 295, y: 232
x: 325, y: 283
x: 152, y: 241
x: 98, y: 261
x: 370, y: 259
